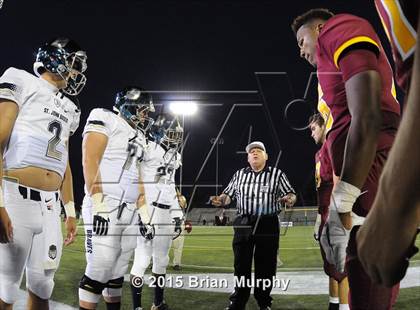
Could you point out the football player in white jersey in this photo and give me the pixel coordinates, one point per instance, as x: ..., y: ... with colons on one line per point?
x: 113, y: 147
x: 160, y: 162
x: 36, y: 121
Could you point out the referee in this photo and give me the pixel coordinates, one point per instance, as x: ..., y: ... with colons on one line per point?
x: 259, y: 191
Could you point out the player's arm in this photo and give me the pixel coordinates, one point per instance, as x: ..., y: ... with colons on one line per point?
x: 141, y: 202
x: 67, y: 198
x: 93, y: 148
x: 363, y: 92
x: 395, y: 214
x: 8, y: 114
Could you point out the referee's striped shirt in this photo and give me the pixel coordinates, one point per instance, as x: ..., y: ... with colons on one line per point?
x: 258, y: 192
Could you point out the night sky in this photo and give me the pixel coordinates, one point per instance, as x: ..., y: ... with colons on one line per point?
x: 222, y: 55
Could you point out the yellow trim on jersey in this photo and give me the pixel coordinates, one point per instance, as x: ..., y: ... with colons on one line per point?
x: 403, y: 34
x: 349, y: 43
x: 324, y: 110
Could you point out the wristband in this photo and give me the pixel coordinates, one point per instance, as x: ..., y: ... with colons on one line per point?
x: 70, y: 210
x: 1, y: 198
x: 344, y: 196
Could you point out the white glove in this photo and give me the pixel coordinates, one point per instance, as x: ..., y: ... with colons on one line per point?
x: 335, y: 237
x: 100, y: 214
x: 316, y: 227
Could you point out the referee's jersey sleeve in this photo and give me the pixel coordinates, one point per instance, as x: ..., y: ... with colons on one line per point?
x: 284, y: 186
x: 230, y: 190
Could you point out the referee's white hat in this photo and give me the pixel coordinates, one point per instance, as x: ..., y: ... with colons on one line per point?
x: 255, y: 144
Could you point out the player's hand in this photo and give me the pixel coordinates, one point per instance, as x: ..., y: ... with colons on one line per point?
x: 188, y: 226
x: 146, y: 230
x: 316, y: 227
x: 334, y: 239
x: 71, y: 230
x: 289, y: 200
x: 178, y: 227
x: 100, y: 215
x: 386, y: 263
x: 6, y: 228
x: 216, y: 201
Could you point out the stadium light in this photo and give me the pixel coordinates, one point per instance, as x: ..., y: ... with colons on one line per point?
x: 185, y: 108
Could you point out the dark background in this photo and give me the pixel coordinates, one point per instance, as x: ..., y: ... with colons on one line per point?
x: 191, y: 50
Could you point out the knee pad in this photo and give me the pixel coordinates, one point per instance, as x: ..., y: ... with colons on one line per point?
x: 140, y: 264
x: 9, y: 292
x: 40, y: 284
x: 113, y: 288
x: 160, y: 263
x: 92, y: 286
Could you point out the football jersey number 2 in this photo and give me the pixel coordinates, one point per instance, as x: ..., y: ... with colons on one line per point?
x: 55, y: 128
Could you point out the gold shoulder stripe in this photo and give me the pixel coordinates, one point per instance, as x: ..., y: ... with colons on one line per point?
x: 349, y: 43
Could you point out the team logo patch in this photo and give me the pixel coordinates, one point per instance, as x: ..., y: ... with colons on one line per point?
x: 52, y: 252
x: 57, y: 102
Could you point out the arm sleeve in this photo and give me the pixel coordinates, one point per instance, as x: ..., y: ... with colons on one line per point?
x: 12, y: 86
x: 230, y: 190
x: 345, y: 33
x: 99, y: 120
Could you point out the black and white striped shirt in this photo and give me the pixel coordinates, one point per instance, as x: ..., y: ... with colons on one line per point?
x: 258, y: 192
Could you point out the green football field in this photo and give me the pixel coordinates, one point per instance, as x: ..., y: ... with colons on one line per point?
x: 208, y: 250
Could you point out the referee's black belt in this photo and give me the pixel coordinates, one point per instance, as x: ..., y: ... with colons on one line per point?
x: 161, y: 205
x: 32, y: 194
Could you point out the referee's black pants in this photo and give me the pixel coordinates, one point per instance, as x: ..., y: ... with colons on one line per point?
x: 258, y: 238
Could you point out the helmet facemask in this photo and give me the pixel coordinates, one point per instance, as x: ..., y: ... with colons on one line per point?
x: 73, y: 72
x: 173, y: 134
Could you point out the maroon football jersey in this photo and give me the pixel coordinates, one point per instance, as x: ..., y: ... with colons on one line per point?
x: 324, y: 180
x: 399, y: 19
x: 339, y: 33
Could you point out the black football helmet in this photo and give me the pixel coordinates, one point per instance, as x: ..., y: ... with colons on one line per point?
x: 64, y: 57
x: 134, y: 103
x: 168, y: 131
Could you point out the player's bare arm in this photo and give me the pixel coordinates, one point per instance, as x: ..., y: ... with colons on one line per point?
x: 395, y: 214
x: 8, y: 113
x: 363, y: 92
x: 68, y: 202
x: 93, y: 148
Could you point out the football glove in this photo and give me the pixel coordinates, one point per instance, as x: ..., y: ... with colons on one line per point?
x: 188, y: 226
x: 335, y: 236
x: 178, y: 229
x: 146, y: 230
x: 100, y: 215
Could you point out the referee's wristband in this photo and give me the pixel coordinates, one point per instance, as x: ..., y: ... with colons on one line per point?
x: 70, y: 209
x: 1, y: 198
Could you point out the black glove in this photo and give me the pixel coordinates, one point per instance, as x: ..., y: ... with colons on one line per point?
x: 146, y: 230
x: 178, y: 228
x: 100, y: 225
